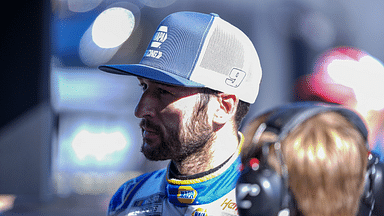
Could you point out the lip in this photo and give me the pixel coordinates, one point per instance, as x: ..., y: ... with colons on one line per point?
x: 148, y: 130
x: 149, y: 134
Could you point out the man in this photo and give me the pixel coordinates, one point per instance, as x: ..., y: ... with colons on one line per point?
x: 199, y: 75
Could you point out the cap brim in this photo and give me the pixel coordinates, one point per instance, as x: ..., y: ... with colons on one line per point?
x: 151, y: 73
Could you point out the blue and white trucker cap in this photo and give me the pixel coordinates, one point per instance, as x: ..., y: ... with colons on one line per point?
x: 199, y: 50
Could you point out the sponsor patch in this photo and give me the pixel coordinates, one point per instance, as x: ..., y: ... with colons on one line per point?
x: 186, y: 194
x: 200, y: 212
x: 158, y: 39
x: 230, y: 204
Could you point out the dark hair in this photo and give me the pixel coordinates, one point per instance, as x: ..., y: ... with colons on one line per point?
x: 242, y: 107
x: 242, y: 110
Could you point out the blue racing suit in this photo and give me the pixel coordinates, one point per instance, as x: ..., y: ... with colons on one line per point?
x: 157, y: 193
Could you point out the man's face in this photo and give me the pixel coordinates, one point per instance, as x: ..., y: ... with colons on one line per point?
x: 174, y: 122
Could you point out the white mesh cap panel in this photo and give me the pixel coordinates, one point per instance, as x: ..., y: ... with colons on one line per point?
x: 228, y: 62
x: 223, y: 52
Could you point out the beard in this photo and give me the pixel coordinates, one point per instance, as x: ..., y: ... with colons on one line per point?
x: 181, y: 143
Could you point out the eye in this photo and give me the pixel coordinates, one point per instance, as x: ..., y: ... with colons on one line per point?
x: 163, y: 91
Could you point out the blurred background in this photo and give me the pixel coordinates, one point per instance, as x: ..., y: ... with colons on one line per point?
x: 68, y: 136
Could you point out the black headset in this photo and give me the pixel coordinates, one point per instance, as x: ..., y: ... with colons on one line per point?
x: 260, y: 190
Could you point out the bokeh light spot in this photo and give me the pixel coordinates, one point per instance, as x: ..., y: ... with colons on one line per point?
x: 113, y: 27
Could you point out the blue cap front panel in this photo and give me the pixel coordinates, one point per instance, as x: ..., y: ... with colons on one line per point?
x: 177, y: 42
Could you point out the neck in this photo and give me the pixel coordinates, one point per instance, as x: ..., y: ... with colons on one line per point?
x: 222, y: 146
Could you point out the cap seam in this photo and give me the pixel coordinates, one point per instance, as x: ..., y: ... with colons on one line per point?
x: 201, y: 45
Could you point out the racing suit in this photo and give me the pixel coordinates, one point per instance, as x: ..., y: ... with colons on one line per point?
x: 158, y: 193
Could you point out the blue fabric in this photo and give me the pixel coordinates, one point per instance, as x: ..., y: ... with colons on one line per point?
x: 150, y: 73
x: 125, y: 193
x: 153, y: 194
x: 172, y: 54
x: 183, y: 44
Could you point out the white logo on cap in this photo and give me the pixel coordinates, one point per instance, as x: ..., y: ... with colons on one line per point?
x: 158, y: 39
x: 235, y: 78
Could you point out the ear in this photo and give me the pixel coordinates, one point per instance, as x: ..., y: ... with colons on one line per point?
x: 227, y: 108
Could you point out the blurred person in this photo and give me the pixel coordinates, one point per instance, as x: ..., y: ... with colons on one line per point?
x: 199, y: 76
x: 308, y: 159
x: 353, y: 78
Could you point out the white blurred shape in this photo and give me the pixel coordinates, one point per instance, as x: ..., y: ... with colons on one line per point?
x: 365, y: 77
x: 97, y: 145
x: 266, y: 184
x: 83, y: 5
x: 106, y: 35
x: 91, y: 54
x: 284, y: 212
x: 6, y: 202
x: 113, y: 27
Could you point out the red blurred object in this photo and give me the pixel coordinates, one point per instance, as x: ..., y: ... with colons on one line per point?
x: 254, y: 163
x: 350, y: 77
x: 319, y: 86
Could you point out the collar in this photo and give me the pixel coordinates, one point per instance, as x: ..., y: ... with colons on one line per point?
x: 207, y: 188
x: 173, y: 173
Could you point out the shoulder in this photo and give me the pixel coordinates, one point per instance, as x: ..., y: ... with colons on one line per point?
x: 123, y: 196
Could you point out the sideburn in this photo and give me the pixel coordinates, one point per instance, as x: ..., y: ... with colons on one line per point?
x: 198, y: 133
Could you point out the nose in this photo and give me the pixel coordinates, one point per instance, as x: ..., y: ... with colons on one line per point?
x: 146, y: 106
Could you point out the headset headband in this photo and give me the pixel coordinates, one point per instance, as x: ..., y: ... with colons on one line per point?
x: 285, y: 119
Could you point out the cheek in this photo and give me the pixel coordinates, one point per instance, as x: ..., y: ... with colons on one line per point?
x: 172, y: 118
x: 182, y: 110
x: 189, y: 109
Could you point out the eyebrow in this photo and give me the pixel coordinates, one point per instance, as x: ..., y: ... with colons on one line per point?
x: 167, y: 85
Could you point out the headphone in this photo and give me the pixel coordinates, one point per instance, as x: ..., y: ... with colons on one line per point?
x: 260, y: 190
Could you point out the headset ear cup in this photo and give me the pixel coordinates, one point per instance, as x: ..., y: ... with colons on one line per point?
x: 372, y: 199
x: 378, y: 190
x: 367, y: 200
x: 259, y: 191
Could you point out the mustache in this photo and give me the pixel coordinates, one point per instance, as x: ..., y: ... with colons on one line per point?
x: 149, y: 125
